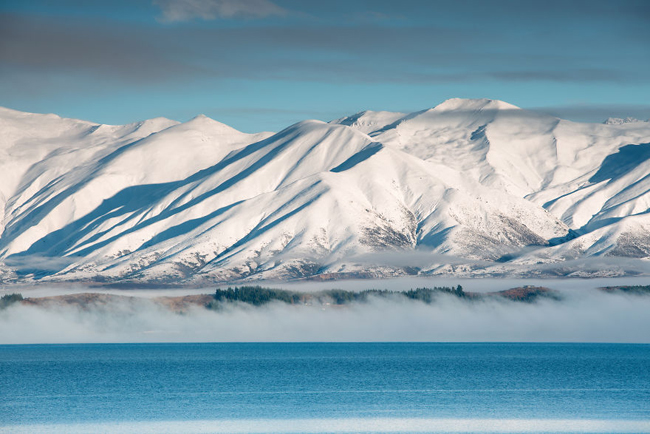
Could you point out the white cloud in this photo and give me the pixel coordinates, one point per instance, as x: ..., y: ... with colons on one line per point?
x: 186, y: 10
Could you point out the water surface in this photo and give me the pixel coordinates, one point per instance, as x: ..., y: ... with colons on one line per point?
x: 320, y: 387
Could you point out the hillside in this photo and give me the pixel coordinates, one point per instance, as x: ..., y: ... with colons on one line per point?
x: 469, y: 187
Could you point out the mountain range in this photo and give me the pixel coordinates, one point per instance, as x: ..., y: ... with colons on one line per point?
x: 471, y: 187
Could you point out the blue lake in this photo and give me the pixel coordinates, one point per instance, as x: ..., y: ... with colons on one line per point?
x: 321, y: 387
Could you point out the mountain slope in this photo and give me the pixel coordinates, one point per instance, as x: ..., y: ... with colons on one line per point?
x: 469, y: 186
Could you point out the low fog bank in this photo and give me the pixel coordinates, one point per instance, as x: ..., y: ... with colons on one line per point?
x: 45, y: 290
x: 475, y: 284
x: 581, y: 316
x: 397, y: 284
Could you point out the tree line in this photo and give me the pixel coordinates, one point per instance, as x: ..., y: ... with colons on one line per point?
x: 258, y: 296
x: 9, y: 299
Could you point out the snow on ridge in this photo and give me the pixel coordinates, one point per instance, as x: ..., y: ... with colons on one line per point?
x: 369, y: 121
x: 204, y: 122
x: 463, y: 104
x: 494, y: 186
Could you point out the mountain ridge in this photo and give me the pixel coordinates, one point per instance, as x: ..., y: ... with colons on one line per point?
x: 469, y: 187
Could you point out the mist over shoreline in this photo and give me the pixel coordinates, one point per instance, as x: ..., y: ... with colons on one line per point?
x: 477, y: 284
x: 583, y: 314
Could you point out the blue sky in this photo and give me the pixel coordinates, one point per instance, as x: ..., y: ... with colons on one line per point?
x: 264, y: 64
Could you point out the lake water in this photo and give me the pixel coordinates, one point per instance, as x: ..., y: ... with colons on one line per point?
x: 367, y: 387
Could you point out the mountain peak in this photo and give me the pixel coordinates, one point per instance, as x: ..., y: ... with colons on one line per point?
x: 207, y: 124
x: 464, y: 104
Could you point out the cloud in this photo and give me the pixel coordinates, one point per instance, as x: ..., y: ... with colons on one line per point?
x: 413, y: 259
x: 38, y: 47
x: 187, y: 10
x: 37, y: 263
x: 569, y: 75
x: 102, y: 50
x: 595, y: 112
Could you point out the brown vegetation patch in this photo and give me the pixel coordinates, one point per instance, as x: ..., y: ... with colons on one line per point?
x: 183, y: 303
x: 527, y: 293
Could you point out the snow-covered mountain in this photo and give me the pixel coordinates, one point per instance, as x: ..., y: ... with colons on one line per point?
x: 469, y: 187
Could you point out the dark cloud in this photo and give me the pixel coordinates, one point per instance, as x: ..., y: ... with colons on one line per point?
x: 570, y: 75
x: 103, y: 50
x: 62, y: 56
x: 324, y: 53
